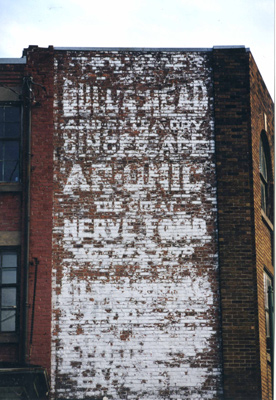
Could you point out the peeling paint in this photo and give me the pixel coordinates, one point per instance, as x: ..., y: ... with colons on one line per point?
x: 134, y: 271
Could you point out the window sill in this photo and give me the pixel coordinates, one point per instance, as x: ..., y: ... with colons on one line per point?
x: 267, y: 221
x: 9, y: 338
x: 268, y: 357
x: 10, y: 187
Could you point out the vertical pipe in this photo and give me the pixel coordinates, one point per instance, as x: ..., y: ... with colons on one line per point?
x: 26, y: 185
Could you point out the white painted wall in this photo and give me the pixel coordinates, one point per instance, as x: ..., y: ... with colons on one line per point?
x: 135, y: 296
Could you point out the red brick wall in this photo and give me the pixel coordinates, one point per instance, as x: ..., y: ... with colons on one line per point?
x: 11, y: 75
x: 261, y: 103
x: 40, y: 67
x: 241, y: 100
x: 135, y: 289
x: 10, y: 210
x: 13, y: 205
x: 241, y: 364
x: 105, y: 103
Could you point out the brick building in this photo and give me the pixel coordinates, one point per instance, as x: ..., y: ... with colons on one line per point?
x: 136, y: 237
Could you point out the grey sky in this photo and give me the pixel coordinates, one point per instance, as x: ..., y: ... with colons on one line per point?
x: 141, y: 23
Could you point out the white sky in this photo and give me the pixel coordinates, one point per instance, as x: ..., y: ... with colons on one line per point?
x: 141, y: 23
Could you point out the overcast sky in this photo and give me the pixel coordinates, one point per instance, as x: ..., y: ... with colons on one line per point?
x: 141, y: 23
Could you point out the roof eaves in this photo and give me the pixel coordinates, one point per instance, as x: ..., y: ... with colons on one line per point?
x: 13, y: 60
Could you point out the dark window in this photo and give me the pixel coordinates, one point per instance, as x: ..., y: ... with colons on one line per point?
x: 10, y: 126
x: 267, y: 287
x: 266, y: 178
x: 9, y: 289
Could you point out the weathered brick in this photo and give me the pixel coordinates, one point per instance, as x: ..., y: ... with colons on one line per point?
x: 145, y: 218
x: 135, y: 267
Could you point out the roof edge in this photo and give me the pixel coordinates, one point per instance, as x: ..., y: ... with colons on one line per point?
x: 21, y: 60
x: 143, y: 49
x: 228, y: 47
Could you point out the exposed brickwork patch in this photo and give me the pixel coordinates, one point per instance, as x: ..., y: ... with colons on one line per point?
x: 135, y: 306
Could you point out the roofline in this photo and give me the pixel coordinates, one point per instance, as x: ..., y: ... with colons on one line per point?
x: 147, y: 49
x: 21, y: 60
x: 143, y: 49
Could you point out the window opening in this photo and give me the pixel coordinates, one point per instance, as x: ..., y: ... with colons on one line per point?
x: 266, y: 178
x: 8, y: 290
x: 268, y: 326
x: 10, y: 126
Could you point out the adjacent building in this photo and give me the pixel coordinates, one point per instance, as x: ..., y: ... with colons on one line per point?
x: 136, y: 229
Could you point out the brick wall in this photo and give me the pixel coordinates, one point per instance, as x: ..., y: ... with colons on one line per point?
x: 236, y: 230
x: 14, y: 203
x: 262, y: 119
x: 135, y: 285
x: 123, y: 210
x: 10, y: 209
x: 240, y: 101
x: 11, y: 223
x: 40, y: 67
x: 12, y: 74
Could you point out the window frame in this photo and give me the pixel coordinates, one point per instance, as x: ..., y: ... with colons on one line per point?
x: 268, y: 281
x: 11, y: 336
x: 264, y: 178
x: 265, y: 170
x: 15, y: 104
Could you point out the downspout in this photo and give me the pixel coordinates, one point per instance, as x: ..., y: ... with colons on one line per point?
x: 27, y: 81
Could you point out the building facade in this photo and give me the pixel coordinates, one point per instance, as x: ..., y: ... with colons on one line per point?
x: 136, y: 234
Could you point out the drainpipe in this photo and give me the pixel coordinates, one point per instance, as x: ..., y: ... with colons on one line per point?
x: 271, y: 328
x: 27, y: 219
